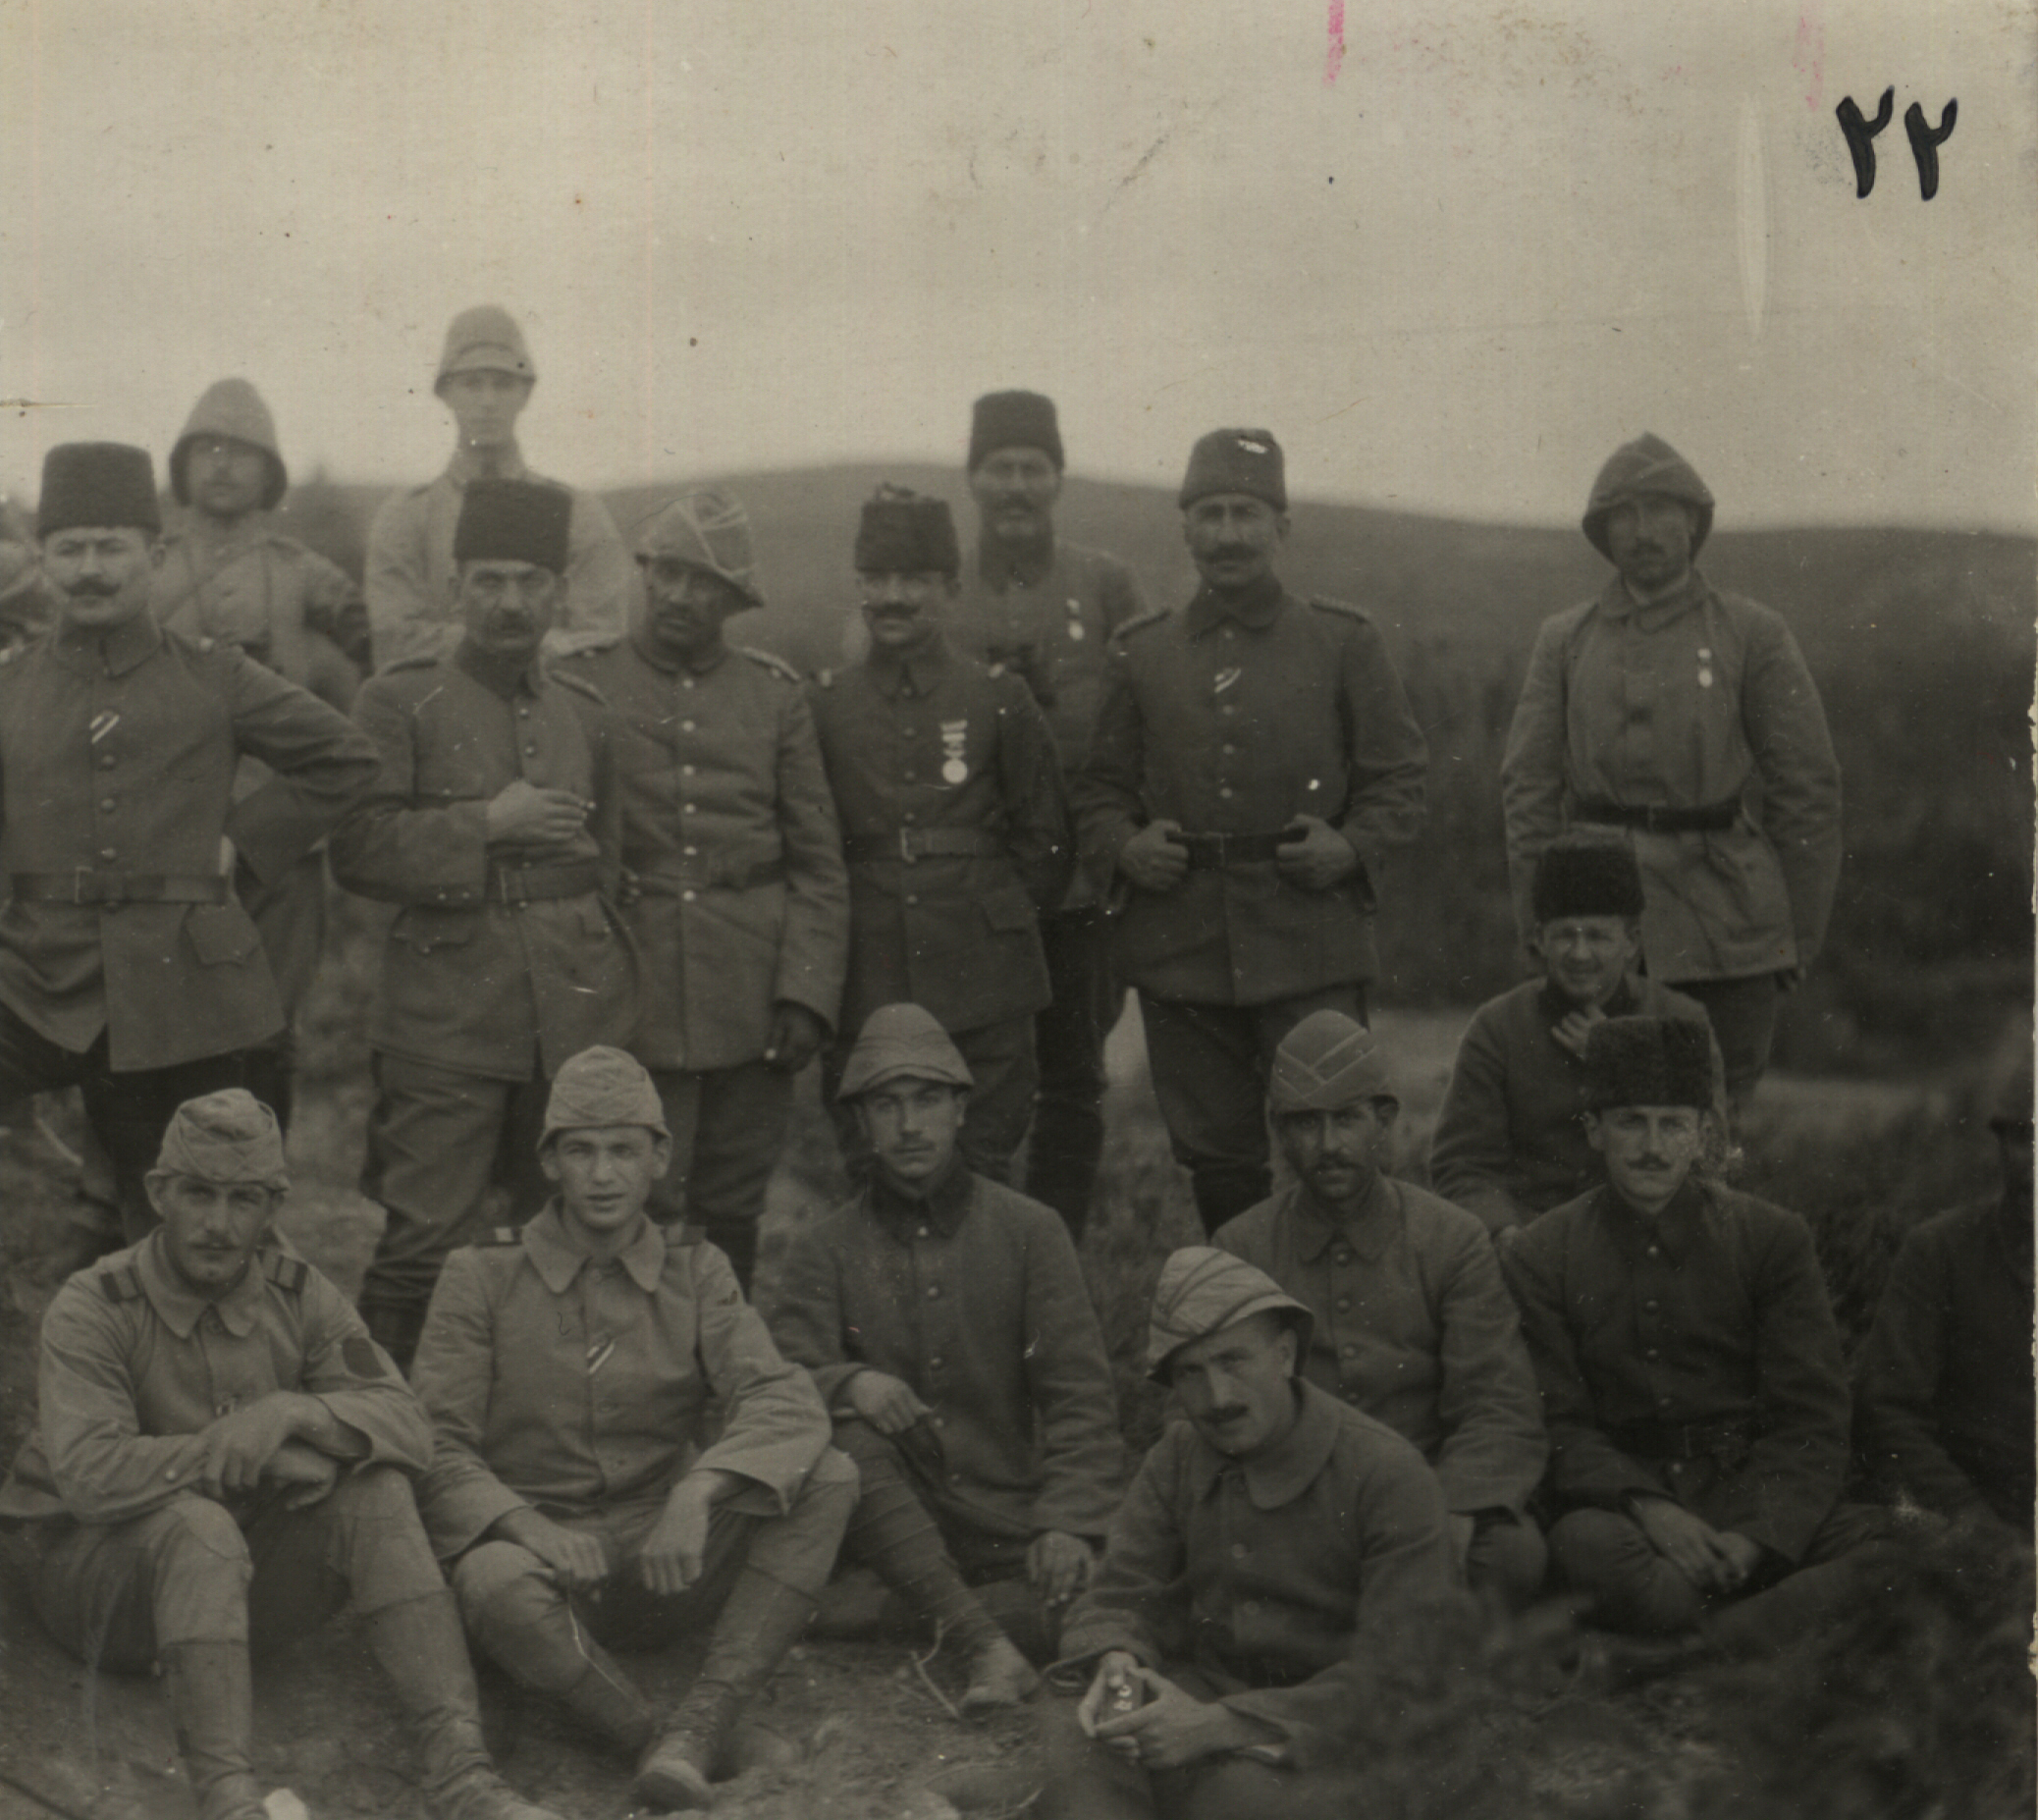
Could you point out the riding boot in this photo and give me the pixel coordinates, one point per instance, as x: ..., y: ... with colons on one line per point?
x: 212, y: 1705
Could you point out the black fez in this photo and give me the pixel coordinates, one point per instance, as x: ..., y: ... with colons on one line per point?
x: 98, y: 484
x: 1246, y: 462
x: 513, y: 521
x: 1649, y: 1061
x: 1014, y: 420
x: 1587, y: 876
x: 907, y: 533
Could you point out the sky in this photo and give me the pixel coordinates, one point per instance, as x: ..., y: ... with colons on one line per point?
x: 1451, y: 254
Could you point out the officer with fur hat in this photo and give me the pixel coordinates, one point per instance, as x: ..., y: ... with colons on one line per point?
x: 1691, y: 1371
x: 222, y: 1458
x: 1943, y: 1387
x: 1412, y: 1323
x: 1255, y: 757
x: 953, y: 824
x: 945, y: 1321
x: 1510, y: 1140
x: 1687, y: 718
x: 692, y: 1491
x: 485, y: 379
x: 1048, y: 608
x: 735, y: 892
x: 1277, y: 1552
x: 129, y: 843
x: 497, y: 825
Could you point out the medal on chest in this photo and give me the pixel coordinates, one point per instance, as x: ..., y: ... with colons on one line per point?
x: 954, y: 739
x: 1075, y: 620
x: 1225, y: 679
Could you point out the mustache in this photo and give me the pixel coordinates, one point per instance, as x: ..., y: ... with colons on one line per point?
x: 1226, y: 552
x: 91, y: 588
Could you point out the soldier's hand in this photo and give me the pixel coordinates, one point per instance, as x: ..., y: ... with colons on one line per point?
x: 1687, y: 1541
x: 888, y: 1403
x: 239, y: 1447
x: 1057, y: 1564
x: 578, y: 1563
x: 1314, y: 855
x: 522, y: 815
x: 1575, y: 1027
x: 1171, y: 1728
x: 669, y: 1561
x: 1113, y: 1689
x: 1154, y: 859
x: 309, y: 1473
x: 1743, y: 1554
x: 796, y: 1037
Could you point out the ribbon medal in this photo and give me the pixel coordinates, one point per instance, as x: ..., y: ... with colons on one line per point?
x: 1704, y: 668
x: 1075, y: 621
x: 954, y: 735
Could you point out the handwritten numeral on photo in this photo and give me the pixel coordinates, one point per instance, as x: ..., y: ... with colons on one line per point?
x: 1924, y: 140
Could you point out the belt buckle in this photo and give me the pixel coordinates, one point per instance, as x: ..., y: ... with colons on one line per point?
x: 504, y: 875
x: 905, y: 845
x: 78, y: 876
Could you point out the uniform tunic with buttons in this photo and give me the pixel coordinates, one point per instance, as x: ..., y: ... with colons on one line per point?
x: 1413, y: 1326
x: 974, y: 1298
x: 573, y: 1386
x: 731, y: 835
x: 930, y: 745
x: 284, y: 605
x: 134, y: 1367
x: 471, y: 982
x: 1236, y: 718
x: 118, y: 754
x: 1288, y: 1579
x: 1712, y: 1313
x: 1691, y: 701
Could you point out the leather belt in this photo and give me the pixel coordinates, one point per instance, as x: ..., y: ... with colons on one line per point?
x: 912, y: 843
x: 710, y: 875
x: 533, y: 885
x: 1660, y: 817
x: 1685, y: 1440
x: 87, y: 886
x: 1215, y: 852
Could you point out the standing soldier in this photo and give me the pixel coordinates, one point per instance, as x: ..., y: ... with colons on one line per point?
x: 26, y: 603
x: 230, y: 576
x: 1048, y: 610
x: 127, y: 966
x: 953, y: 824
x: 485, y: 379
x: 1254, y: 756
x: 732, y: 851
x: 497, y: 824
x: 1687, y: 717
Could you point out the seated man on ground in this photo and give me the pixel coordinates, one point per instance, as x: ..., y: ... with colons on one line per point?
x: 1510, y: 1140
x: 568, y: 1367
x: 221, y: 1460
x: 1412, y: 1323
x: 1691, y: 1374
x: 1277, y: 1555
x: 947, y: 1323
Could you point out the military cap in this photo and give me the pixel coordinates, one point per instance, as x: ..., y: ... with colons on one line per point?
x: 229, y: 407
x: 902, y: 1041
x: 907, y: 533
x: 1201, y: 1292
x: 1649, y: 1061
x: 602, y: 1086
x: 709, y: 529
x: 1327, y: 1061
x: 98, y: 484
x: 225, y: 1137
x: 1586, y: 875
x: 484, y: 339
x: 1246, y: 462
x: 1647, y: 464
x: 514, y: 521
x: 1014, y: 420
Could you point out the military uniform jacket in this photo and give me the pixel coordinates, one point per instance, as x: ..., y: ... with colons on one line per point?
x: 1291, y: 1581
x: 940, y: 746
x: 410, y: 570
x: 470, y: 979
x: 568, y: 1385
x: 730, y: 834
x: 1697, y: 700
x: 974, y: 1298
x: 1413, y: 1326
x: 134, y: 1367
x: 118, y: 754
x: 1236, y: 720
x: 1712, y: 1318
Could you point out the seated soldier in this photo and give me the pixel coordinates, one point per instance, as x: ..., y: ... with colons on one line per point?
x: 1510, y: 1140
x: 1944, y: 1408
x: 569, y: 1368
x: 1277, y: 1554
x: 1691, y: 1374
x: 1412, y: 1323
x: 221, y: 1460
x: 945, y: 1320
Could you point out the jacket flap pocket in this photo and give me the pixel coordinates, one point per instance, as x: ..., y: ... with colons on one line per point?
x: 221, y: 933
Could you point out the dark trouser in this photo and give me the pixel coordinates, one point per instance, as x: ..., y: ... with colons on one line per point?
x: 291, y: 916
x: 1507, y: 1561
x: 1089, y: 1781
x: 1001, y: 1057
x: 1742, y: 1014
x: 436, y: 1138
x: 729, y: 1126
x: 1210, y: 1065
x: 1069, y: 1041
x: 128, y: 1111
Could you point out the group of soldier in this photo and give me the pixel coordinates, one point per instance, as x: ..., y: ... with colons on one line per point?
x: 643, y: 877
